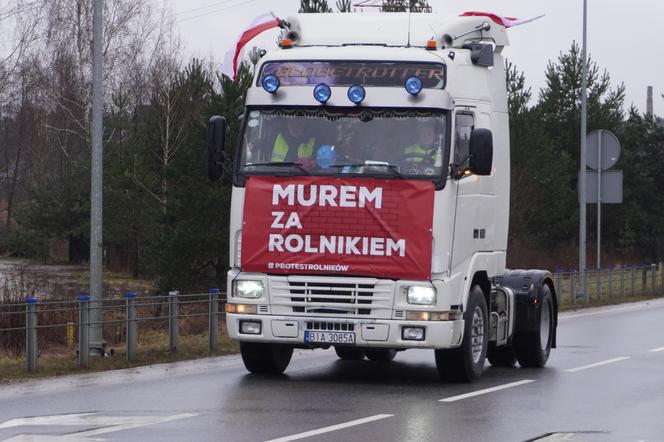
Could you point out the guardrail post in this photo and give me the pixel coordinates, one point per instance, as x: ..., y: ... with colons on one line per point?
x: 610, y: 282
x: 213, y: 318
x: 31, y: 333
x: 644, y: 280
x: 572, y: 291
x: 173, y: 304
x: 633, y: 281
x: 585, y: 286
x: 131, y: 326
x: 559, y: 286
x: 83, y: 331
x: 653, y: 269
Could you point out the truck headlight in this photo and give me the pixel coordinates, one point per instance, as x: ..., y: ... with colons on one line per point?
x: 248, y: 289
x: 421, y: 295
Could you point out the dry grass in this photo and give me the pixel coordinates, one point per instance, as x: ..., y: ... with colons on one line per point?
x: 152, y: 349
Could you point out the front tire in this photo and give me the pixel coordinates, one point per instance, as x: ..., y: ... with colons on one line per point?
x: 501, y: 356
x: 262, y: 358
x: 349, y: 353
x: 466, y: 363
x: 532, y: 349
x: 381, y: 354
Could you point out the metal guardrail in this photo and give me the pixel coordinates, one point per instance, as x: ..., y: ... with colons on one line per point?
x: 610, y: 284
x: 32, y: 308
x: 599, y: 286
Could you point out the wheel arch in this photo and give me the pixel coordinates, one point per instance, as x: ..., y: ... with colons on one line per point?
x: 527, y: 285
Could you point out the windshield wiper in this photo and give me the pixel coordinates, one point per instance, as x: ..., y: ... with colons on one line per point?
x: 280, y: 164
x: 391, y: 167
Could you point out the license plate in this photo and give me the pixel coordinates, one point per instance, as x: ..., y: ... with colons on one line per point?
x: 329, y: 337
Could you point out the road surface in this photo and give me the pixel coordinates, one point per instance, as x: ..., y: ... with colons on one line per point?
x: 605, y: 382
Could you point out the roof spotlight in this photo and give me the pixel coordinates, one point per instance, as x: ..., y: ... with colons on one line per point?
x: 322, y: 93
x: 356, y: 93
x: 271, y: 83
x: 413, y: 85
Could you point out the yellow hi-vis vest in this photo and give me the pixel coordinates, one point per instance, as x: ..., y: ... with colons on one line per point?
x: 416, y: 148
x: 280, y: 149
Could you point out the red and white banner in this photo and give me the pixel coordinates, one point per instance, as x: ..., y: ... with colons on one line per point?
x: 350, y: 226
x: 260, y: 24
x: 508, y: 22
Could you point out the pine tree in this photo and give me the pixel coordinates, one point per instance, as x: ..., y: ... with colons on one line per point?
x: 314, y: 6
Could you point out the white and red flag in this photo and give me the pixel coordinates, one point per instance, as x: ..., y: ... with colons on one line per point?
x: 260, y: 24
x: 508, y: 22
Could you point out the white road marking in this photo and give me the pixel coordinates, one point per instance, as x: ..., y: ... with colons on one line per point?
x: 597, y: 364
x: 486, y: 390
x: 331, y: 428
x: 557, y: 437
x: 657, y: 349
x: 100, y: 424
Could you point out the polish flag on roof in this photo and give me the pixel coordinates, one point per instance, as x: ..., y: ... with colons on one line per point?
x: 508, y: 22
x: 260, y: 24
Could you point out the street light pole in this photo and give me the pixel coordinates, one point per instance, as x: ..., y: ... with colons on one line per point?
x: 584, y: 130
x: 96, y: 201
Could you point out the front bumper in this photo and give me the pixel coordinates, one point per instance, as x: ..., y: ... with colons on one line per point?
x: 385, y: 333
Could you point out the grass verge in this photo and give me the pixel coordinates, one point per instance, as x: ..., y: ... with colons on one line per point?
x: 152, y: 349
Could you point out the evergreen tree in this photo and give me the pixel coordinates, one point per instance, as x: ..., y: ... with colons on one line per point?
x: 344, y: 5
x: 406, y: 5
x: 314, y: 6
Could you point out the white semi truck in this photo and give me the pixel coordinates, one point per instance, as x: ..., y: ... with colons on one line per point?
x: 370, y: 199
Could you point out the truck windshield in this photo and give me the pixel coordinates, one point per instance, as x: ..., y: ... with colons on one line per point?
x: 391, y: 143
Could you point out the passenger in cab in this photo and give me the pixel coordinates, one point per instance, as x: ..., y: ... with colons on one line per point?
x: 292, y: 145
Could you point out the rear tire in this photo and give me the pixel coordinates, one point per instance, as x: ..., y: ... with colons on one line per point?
x: 381, y: 354
x: 501, y: 356
x: 349, y: 353
x: 262, y: 358
x: 466, y: 363
x: 532, y: 349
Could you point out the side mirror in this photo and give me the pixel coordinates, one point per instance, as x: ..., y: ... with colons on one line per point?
x: 216, y: 140
x: 481, y: 152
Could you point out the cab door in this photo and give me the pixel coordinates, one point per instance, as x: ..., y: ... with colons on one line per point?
x: 476, y: 199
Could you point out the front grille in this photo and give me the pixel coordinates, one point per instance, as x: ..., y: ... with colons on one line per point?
x: 319, y: 297
x: 324, y: 296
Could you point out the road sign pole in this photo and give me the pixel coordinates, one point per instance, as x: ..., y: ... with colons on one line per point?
x: 599, y: 201
x: 96, y: 340
x: 582, y: 175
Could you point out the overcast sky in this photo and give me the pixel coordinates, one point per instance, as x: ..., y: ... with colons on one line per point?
x: 623, y: 36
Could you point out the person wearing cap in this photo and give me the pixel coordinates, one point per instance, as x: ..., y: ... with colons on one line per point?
x: 291, y: 145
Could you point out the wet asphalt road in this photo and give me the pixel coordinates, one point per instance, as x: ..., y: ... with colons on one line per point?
x: 605, y: 382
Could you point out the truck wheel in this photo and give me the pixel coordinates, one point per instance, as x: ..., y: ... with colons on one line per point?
x: 381, y: 354
x: 501, y: 356
x: 532, y: 349
x: 466, y: 363
x: 262, y: 358
x: 349, y: 353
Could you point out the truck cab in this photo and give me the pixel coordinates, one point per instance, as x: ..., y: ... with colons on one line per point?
x: 370, y: 199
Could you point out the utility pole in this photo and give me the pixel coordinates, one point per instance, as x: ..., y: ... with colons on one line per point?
x: 96, y: 201
x: 584, y: 134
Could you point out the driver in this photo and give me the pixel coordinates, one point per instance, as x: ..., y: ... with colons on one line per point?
x: 292, y: 145
x: 424, y: 149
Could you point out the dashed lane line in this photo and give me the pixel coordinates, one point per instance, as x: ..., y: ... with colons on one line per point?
x: 486, y: 390
x: 657, y: 349
x: 331, y: 428
x: 597, y: 364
